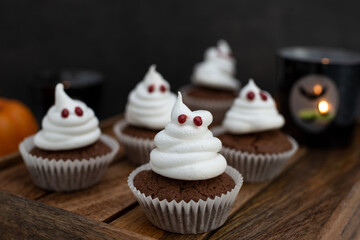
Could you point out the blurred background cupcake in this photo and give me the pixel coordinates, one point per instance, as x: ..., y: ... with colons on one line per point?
x: 69, y: 152
x: 214, y: 84
x: 186, y: 176
x: 252, y: 141
x: 147, y: 111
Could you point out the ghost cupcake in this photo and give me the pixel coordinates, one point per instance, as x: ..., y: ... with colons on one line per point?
x: 147, y: 111
x: 214, y: 86
x: 252, y: 141
x: 69, y: 152
x: 187, y: 187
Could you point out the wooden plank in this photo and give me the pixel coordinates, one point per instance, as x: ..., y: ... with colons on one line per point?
x: 298, y: 204
x: 102, y: 201
x: 22, y: 218
x: 345, y: 221
x: 16, y: 180
x: 136, y: 221
x: 317, y: 196
x: 10, y: 160
x: 250, y: 190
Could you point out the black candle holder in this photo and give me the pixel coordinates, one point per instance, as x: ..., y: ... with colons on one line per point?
x: 318, y: 94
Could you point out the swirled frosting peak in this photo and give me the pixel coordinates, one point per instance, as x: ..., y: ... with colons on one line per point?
x: 218, y: 69
x: 69, y: 124
x: 150, y: 103
x: 186, y: 149
x: 253, y: 111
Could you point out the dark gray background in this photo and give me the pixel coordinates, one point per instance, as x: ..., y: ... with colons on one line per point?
x: 122, y: 38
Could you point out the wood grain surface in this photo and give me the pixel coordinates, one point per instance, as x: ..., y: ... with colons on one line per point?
x: 21, y: 218
x: 344, y: 222
x: 100, y: 202
x: 317, y: 196
x: 16, y: 180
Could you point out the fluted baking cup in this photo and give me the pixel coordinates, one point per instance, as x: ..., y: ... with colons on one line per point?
x: 138, y: 149
x: 67, y: 175
x: 191, y: 217
x: 256, y: 167
x: 217, y: 107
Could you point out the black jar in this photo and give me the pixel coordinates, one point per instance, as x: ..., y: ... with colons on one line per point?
x: 318, y: 94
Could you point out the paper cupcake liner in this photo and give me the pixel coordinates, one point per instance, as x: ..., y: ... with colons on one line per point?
x: 187, y: 218
x: 66, y: 175
x: 217, y: 107
x: 138, y: 149
x: 256, y: 167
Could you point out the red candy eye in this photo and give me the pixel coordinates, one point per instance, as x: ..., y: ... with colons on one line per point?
x: 78, y: 111
x: 263, y: 96
x: 162, y: 88
x: 151, y: 88
x: 198, y: 121
x: 65, y: 113
x: 250, y: 95
x: 182, y: 118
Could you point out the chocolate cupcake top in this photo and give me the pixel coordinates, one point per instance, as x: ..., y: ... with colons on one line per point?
x: 218, y: 69
x: 186, y: 149
x: 69, y: 124
x: 150, y: 103
x: 253, y: 111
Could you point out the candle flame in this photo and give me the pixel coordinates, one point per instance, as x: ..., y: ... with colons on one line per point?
x: 317, y: 89
x: 323, y: 107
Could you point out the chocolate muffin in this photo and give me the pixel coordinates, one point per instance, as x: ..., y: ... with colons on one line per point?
x: 69, y: 153
x: 269, y: 142
x: 186, y: 176
x: 147, y: 111
x: 211, y: 93
x: 214, y: 86
x: 252, y: 140
x: 139, y: 132
x: 94, y: 150
x: 157, y: 186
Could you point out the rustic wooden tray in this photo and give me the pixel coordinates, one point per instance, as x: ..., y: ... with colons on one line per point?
x: 316, y: 196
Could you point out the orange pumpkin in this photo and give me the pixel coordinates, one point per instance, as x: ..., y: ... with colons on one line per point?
x: 16, y: 123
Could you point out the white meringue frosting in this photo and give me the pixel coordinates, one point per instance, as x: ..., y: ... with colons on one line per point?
x: 255, y: 114
x: 218, y: 69
x: 186, y: 151
x: 150, y: 103
x: 67, y: 131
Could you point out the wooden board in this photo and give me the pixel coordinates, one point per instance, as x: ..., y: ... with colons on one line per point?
x: 316, y: 196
